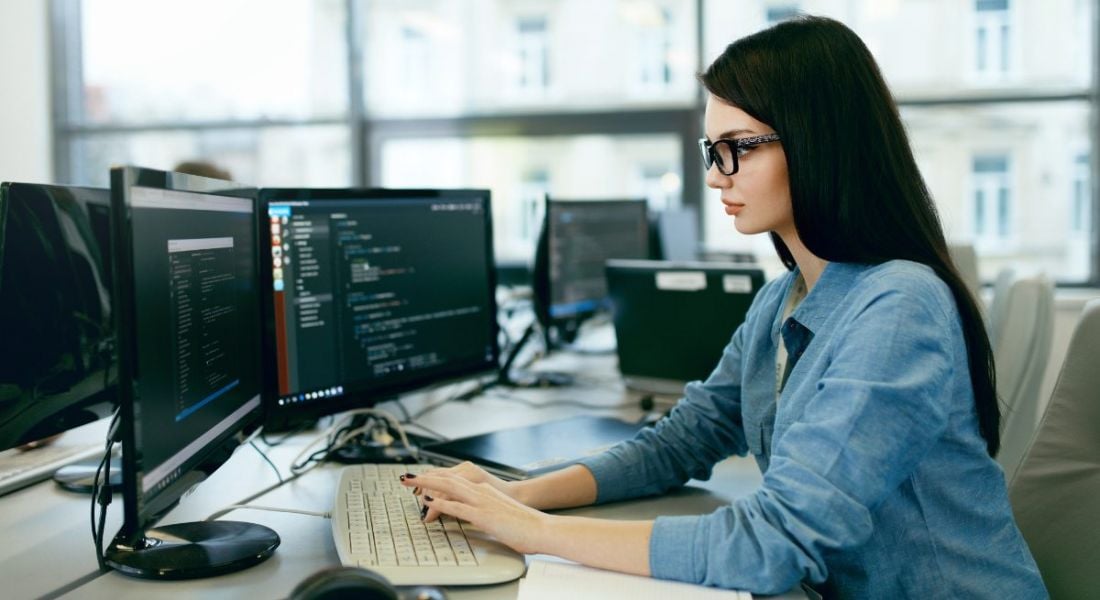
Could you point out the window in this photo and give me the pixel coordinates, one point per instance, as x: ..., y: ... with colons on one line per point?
x: 532, y: 56
x: 533, y: 190
x: 654, y: 49
x: 489, y: 93
x: 777, y: 13
x: 992, y: 39
x: 992, y: 208
x: 1081, y: 213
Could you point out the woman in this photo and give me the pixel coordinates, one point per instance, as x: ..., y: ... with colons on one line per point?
x: 862, y: 381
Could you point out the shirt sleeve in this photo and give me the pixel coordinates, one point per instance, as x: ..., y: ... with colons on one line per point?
x: 703, y: 428
x: 879, y: 404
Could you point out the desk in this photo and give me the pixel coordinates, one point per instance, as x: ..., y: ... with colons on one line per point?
x: 49, y: 551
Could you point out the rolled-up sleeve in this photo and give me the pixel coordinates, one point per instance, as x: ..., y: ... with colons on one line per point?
x: 703, y: 428
x: 873, y: 413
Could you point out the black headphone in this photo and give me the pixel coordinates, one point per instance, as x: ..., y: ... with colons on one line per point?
x: 340, y: 583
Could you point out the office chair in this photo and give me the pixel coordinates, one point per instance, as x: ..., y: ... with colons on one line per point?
x: 1054, y: 492
x: 995, y: 321
x: 966, y: 262
x: 1021, y: 353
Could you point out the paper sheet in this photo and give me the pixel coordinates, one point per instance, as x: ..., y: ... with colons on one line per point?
x: 556, y: 580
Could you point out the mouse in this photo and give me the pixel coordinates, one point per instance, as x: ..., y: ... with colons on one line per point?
x: 352, y: 582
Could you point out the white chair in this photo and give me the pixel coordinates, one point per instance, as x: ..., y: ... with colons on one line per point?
x: 966, y: 262
x: 995, y: 321
x: 1021, y: 354
x: 1055, y: 492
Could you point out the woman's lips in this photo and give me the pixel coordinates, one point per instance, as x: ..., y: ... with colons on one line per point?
x: 733, y: 209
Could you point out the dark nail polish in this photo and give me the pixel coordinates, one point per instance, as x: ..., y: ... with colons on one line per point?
x: 401, y: 477
x: 408, y: 476
x: 416, y: 491
x: 423, y: 512
x: 429, y: 498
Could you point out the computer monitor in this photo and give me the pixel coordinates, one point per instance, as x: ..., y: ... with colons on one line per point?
x: 187, y: 306
x: 673, y: 319
x: 676, y: 233
x: 369, y: 293
x: 577, y: 238
x: 57, y: 358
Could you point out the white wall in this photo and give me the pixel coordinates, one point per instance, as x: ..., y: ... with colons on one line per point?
x: 25, y: 140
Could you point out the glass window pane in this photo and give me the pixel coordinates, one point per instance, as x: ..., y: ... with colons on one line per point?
x: 212, y: 60
x: 521, y: 170
x: 944, y: 48
x: 978, y: 49
x: 272, y: 156
x: 1003, y: 178
x: 538, y: 55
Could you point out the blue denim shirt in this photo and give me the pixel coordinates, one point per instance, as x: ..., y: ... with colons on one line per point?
x: 876, y: 481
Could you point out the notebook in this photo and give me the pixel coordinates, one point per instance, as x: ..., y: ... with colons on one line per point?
x: 552, y: 580
x: 673, y: 319
x: 525, y: 452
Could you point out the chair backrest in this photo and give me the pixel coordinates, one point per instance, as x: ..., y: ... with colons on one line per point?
x: 966, y: 261
x: 1022, y: 353
x: 995, y: 316
x: 1055, y: 493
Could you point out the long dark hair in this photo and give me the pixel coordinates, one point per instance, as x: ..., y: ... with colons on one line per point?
x: 856, y: 191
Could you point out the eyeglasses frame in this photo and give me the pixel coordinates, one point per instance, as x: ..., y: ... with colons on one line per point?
x: 710, y: 156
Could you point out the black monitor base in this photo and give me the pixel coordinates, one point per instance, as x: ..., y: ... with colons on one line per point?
x: 537, y: 379
x: 194, y: 550
x: 80, y: 476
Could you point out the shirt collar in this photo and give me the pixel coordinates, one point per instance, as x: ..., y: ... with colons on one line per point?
x: 827, y: 294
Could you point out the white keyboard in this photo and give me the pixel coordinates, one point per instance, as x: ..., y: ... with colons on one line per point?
x: 19, y: 469
x: 376, y: 525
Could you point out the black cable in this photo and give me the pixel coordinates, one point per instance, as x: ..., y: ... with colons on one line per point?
x: 101, y: 491
x: 267, y: 460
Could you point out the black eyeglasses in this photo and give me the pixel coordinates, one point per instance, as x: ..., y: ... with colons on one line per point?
x: 725, y: 153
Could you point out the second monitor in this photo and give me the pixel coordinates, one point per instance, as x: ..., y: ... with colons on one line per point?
x: 577, y: 238
x: 370, y: 293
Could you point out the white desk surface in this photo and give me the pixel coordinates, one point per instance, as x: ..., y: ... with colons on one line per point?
x: 48, y: 549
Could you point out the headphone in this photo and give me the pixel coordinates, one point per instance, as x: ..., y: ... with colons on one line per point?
x: 345, y: 583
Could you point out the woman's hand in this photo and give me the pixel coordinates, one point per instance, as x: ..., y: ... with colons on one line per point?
x: 475, y: 474
x: 483, y: 504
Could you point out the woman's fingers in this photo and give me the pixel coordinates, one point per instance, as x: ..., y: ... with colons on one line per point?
x: 459, y: 510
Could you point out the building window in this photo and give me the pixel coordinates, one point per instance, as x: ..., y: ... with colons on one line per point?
x: 992, y: 38
x: 415, y: 60
x: 992, y: 208
x: 654, y: 51
x: 1081, y: 211
x: 532, y: 200
x: 532, y: 54
x: 775, y: 14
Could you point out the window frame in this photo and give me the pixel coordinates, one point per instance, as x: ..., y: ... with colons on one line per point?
x: 366, y: 134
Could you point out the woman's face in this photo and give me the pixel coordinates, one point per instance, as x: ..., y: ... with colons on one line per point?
x: 758, y: 195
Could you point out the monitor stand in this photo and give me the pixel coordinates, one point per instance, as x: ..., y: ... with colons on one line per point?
x: 194, y: 550
x: 80, y: 476
x: 528, y: 379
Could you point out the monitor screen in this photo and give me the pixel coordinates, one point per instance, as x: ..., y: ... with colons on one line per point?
x: 578, y: 237
x: 189, y: 330
x: 57, y: 362
x: 370, y: 293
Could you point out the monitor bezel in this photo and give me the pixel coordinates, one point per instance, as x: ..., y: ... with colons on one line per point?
x: 360, y: 396
x: 141, y: 509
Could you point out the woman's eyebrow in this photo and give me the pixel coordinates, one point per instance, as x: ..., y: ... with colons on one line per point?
x: 725, y: 135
